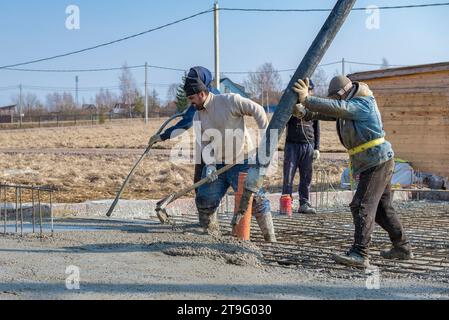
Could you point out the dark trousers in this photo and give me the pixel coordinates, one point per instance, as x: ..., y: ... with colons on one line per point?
x: 198, y: 172
x: 372, y: 202
x: 298, y: 155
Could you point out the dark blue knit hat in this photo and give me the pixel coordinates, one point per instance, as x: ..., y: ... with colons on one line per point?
x: 198, y: 79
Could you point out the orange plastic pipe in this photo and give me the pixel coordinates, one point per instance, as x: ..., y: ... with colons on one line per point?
x: 243, y: 229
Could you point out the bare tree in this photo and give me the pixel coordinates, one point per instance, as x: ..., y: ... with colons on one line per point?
x: 63, y: 103
x: 266, y: 81
x: 30, y: 102
x: 128, y: 88
x: 154, y: 103
x: 105, y: 100
x: 320, y: 82
x: 172, y: 92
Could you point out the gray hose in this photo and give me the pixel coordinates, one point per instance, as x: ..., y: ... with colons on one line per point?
x: 288, y: 100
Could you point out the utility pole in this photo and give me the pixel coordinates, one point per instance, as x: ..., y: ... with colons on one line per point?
x: 343, y: 66
x: 217, y: 45
x: 76, y: 90
x: 20, y: 105
x: 146, y: 92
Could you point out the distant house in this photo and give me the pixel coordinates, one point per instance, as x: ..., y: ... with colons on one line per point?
x: 228, y: 86
x: 7, y: 113
x: 123, y: 109
x: 89, y: 107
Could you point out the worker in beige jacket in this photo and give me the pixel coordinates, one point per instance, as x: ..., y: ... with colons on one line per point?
x: 218, y: 118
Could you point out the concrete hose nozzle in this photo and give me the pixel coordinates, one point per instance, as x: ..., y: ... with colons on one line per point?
x: 245, y: 202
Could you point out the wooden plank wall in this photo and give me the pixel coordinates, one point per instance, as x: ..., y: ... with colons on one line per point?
x: 415, y: 112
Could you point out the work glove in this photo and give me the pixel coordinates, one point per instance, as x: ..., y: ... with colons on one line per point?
x: 155, y: 139
x: 299, y: 111
x: 316, y: 155
x: 211, y: 173
x: 301, y: 87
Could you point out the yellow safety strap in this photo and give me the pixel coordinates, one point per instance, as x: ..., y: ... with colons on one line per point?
x: 358, y: 149
x: 365, y: 146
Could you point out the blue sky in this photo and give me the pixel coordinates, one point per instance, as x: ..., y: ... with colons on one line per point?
x: 36, y: 29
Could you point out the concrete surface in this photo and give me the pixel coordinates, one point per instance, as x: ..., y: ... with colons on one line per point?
x: 129, y: 260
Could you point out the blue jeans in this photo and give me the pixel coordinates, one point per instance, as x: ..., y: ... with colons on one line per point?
x: 298, y: 155
x: 209, y: 195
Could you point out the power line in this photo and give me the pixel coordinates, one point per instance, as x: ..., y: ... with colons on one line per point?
x: 8, y: 88
x: 50, y: 88
x: 328, y: 10
x: 93, y: 69
x: 281, y: 70
x: 11, y: 66
x: 374, y: 64
x: 81, y: 89
x: 108, y: 43
x: 139, y: 67
x: 72, y: 70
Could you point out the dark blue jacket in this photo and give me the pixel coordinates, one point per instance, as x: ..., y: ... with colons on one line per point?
x: 301, y: 131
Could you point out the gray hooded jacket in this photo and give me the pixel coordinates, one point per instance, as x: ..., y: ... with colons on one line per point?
x: 358, y: 122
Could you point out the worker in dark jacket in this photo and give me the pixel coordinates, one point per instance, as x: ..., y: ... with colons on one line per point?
x: 359, y: 126
x: 186, y: 121
x: 302, y: 145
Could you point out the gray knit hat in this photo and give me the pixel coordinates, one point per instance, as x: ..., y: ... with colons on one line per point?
x: 339, y: 85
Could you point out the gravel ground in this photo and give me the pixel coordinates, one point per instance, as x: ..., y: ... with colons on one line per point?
x: 144, y: 260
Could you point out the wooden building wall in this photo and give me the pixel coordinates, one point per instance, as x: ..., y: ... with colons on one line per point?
x: 415, y: 112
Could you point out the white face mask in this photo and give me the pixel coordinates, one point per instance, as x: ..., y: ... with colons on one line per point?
x: 345, y: 89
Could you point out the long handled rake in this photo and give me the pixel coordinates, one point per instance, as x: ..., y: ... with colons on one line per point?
x: 147, y: 150
x: 162, y: 204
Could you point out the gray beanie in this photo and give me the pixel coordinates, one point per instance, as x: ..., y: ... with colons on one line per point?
x: 339, y: 85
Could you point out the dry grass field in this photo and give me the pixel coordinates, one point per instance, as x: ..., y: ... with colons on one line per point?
x: 88, y: 177
x: 129, y: 134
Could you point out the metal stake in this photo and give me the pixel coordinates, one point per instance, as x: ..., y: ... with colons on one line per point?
x: 17, y: 209
x: 4, y: 204
x: 33, y: 212
x: 40, y: 210
x: 51, y: 214
x: 21, y: 213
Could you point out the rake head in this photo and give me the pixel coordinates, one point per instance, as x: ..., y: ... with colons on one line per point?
x: 161, y: 211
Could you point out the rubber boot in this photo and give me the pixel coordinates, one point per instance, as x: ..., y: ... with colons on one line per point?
x: 265, y: 222
x: 209, y: 223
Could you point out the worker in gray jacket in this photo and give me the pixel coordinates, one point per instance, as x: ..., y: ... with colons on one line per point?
x: 359, y: 126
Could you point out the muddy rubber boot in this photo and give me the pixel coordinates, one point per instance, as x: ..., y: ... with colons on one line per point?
x: 352, y: 259
x: 209, y: 223
x: 306, y: 209
x: 403, y: 252
x: 265, y: 222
